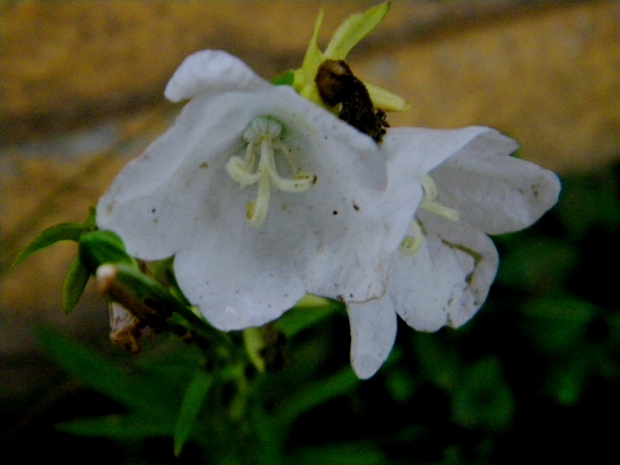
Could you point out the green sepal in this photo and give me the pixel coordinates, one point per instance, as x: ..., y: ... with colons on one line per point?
x: 74, y: 285
x: 192, y: 403
x: 354, y: 29
x: 141, y: 286
x: 162, y: 271
x: 130, y: 283
x: 285, y: 79
x: 99, y: 247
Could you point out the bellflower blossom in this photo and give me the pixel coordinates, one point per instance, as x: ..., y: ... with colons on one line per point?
x: 259, y: 194
x: 441, y: 272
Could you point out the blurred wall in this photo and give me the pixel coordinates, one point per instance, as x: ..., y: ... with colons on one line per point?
x: 82, y: 90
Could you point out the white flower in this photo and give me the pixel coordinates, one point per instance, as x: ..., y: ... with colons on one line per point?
x: 260, y: 195
x: 441, y: 272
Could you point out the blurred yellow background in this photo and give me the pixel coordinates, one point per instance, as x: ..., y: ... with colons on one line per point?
x: 82, y: 93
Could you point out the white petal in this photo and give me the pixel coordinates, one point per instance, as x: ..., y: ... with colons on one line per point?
x: 410, y: 154
x: 373, y: 331
x: 154, y: 201
x: 492, y: 190
x: 413, y: 152
x: 447, y: 281
x: 211, y: 71
x: 236, y: 283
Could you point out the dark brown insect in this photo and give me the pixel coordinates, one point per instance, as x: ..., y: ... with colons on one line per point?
x: 337, y: 85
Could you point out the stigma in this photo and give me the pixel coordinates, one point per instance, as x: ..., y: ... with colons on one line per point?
x: 259, y: 166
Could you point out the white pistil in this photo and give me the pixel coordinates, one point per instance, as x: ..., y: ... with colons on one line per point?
x: 263, y: 134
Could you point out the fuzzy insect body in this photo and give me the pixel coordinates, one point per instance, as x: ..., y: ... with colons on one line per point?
x: 338, y: 86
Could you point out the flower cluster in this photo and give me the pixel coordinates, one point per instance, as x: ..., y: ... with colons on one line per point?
x: 262, y: 194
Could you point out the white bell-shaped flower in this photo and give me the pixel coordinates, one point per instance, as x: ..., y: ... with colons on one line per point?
x: 260, y: 195
x: 441, y: 271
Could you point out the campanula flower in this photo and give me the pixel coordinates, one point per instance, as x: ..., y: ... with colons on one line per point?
x: 259, y: 194
x: 442, y: 268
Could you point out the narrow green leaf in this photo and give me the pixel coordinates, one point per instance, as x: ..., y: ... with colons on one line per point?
x: 130, y: 390
x: 99, y: 247
x: 74, y: 285
x: 192, y: 403
x: 53, y: 234
x: 118, y: 427
x: 316, y: 393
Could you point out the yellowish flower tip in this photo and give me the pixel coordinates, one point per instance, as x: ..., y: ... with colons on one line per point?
x: 349, y: 33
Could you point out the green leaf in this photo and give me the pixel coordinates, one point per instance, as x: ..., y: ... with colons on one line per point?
x: 440, y: 363
x: 356, y: 453
x: 519, y: 269
x: 557, y: 324
x: 100, y: 247
x: 130, y: 390
x: 401, y: 384
x: 589, y: 201
x: 192, y: 403
x: 285, y: 79
x: 482, y: 398
x: 315, y: 394
x: 74, y: 285
x: 566, y: 381
x: 52, y: 235
x: 118, y: 427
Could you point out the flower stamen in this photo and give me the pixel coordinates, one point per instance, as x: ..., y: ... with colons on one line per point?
x: 264, y: 134
x: 431, y: 205
x: 411, y: 244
